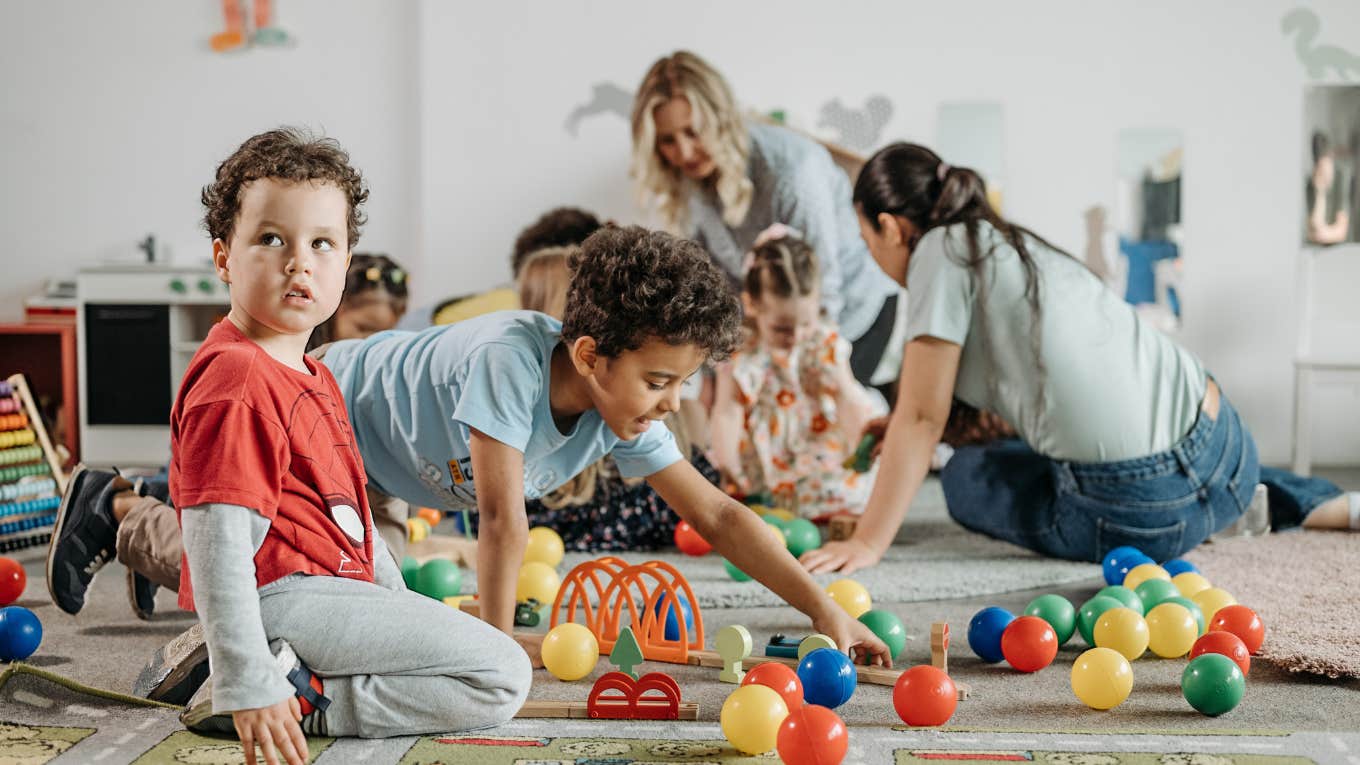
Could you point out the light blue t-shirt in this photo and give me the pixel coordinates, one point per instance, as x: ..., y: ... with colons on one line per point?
x: 413, y: 396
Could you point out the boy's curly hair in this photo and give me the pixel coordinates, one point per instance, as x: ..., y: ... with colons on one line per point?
x: 558, y: 227
x: 630, y: 285
x: 287, y: 154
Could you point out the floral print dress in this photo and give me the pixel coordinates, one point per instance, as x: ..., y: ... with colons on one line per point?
x: 794, y: 445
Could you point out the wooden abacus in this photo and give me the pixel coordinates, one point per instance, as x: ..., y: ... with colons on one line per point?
x: 31, y: 479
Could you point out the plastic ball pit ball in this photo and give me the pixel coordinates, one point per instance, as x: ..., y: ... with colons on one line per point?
x: 812, y: 735
x: 984, y: 632
x: 1212, y: 599
x: 1190, y: 583
x: 672, y: 623
x: 1177, y: 566
x: 13, y: 580
x: 1029, y: 644
x: 410, y: 571
x: 431, y: 515
x: 1143, y: 572
x: 1154, y: 592
x: 1224, y: 643
x: 1123, y: 630
x: 1213, y: 684
x: 1058, y: 611
x: 781, y: 678
x: 925, y: 695
x: 888, y: 628
x: 688, y: 541
x: 828, y: 678
x: 1172, y: 630
x: 570, y: 651
x: 734, y: 572
x: 20, y: 633
x: 1117, y: 562
x: 544, y: 546
x: 801, y: 535
x: 439, y: 578
x: 1242, y: 622
x: 1124, y: 595
x: 751, y: 717
x: 1101, y: 678
x: 537, y: 580
x: 1193, y: 609
x: 1090, y: 611
x: 851, y: 596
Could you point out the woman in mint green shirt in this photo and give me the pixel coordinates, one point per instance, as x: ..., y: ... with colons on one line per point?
x: 1124, y: 439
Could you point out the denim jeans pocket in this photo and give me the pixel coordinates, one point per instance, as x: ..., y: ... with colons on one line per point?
x: 1157, y: 542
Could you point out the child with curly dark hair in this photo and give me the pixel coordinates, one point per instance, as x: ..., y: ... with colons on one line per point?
x: 494, y: 410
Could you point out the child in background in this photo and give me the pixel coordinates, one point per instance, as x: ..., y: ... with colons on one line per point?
x: 788, y: 410
x: 307, y: 621
x: 599, y: 510
x: 104, y: 515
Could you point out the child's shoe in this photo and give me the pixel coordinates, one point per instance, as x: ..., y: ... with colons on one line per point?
x: 141, y: 595
x: 85, y: 536
x: 198, y: 713
x: 176, y: 669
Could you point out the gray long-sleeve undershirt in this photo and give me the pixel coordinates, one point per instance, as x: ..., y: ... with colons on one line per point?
x: 220, y: 541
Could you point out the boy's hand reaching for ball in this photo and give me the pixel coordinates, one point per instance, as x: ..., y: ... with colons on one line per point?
x: 854, y: 638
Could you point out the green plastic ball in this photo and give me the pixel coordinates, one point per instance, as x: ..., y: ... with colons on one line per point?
x: 888, y: 628
x: 1190, y: 606
x: 735, y: 572
x: 1058, y: 611
x: 801, y: 535
x: 1090, y: 612
x: 1154, y: 592
x: 775, y: 521
x: 1213, y: 684
x: 439, y: 579
x: 409, y: 569
x: 1124, y: 595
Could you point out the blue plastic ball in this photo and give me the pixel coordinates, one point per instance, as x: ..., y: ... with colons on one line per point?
x: 20, y: 633
x: 828, y: 677
x: 672, y: 623
x: 1178, y: 566
x: 984, y: 632
x: 1118, y: 561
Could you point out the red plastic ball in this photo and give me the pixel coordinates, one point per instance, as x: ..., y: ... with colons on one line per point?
x: 689, y: 541
x: 780, y: 677
x: 13, y: 580
x: 812, y: 735
x: 925, y: 695
x: 1242, y: 622
x: 1029, y: 644
x: 1226, y: 643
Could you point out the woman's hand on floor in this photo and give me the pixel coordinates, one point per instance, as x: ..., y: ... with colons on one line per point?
x: 275, y: 729
x: 846, y: 556
x: 854, y: 638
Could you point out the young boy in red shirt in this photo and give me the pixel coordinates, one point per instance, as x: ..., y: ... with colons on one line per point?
x: 281, y: 557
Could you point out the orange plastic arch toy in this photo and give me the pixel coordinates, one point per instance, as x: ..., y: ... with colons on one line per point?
x: 618, y: 588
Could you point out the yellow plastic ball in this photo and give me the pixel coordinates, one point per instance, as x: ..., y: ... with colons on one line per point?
x: 1122, y: 630
x: 783, y: 514
x: 1143, y: 572
x: 545, y: 546
x: 1101, y: 678
x: 1172, y: 630
x: 1212, y: 599
x: 1190, y: 583
x: 417, y: 529
x: 537, y: 580
x: 851, y: 596
x: 570, y: 651
x: 751, y: 717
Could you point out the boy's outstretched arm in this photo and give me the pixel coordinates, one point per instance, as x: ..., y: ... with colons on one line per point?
x: 503, y: 529
x: 739, y: 535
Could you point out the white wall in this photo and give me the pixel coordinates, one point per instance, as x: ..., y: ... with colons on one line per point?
x: 116, y: 114
x: 500, y: 78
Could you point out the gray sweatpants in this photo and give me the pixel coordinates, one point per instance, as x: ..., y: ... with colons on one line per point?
x: 396, y: 663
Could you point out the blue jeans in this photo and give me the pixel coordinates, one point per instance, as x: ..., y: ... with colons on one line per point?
x: 1163, y: 504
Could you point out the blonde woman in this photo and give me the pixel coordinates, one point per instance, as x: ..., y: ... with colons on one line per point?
x: 722, y: 181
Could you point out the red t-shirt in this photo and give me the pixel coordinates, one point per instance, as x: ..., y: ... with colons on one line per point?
x: 248, y: 430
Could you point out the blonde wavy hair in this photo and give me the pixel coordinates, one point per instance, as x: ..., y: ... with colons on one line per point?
x: 543, y: 280
x: 720, y: 128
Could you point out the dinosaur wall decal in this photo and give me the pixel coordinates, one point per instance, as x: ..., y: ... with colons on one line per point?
x: 1305, y: 26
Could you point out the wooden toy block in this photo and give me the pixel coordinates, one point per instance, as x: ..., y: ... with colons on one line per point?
x: 579, y: 710
x: 460, y: 550
x: 812, y: 642
x: 734, y: 646
x: 939, y: 646
x: 782, y: 647
x: 842, y: 527
x: 627, y: 654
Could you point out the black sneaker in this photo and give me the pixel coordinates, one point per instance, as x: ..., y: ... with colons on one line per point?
x: 141, y: 595
x: 84, y: 538
x: 176, y: 670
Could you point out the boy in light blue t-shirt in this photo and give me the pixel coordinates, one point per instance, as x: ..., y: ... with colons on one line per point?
x: 488, y: 412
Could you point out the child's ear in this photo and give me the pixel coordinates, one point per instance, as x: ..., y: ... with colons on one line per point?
x: 219, y: 256
x: 584, y: 354
x: 748, y: 304
x: 892, y: 229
